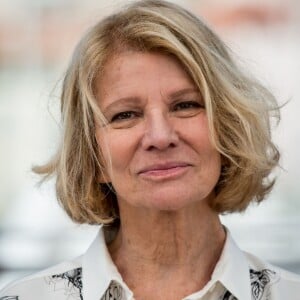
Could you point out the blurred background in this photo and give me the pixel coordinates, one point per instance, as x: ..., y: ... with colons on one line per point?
x: 36, y: 41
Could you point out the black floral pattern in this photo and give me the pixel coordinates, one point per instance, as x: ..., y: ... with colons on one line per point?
x: 114, y: 292
x: 228, y: 296
x: 72, y: 283
x: 261, y: 281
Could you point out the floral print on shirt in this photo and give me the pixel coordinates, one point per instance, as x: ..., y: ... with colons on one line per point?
x: 114, y: 292
x: 260, y: 283
x: 71, y: 282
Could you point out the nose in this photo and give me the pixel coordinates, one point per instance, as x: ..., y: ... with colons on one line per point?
x: 160, y: 132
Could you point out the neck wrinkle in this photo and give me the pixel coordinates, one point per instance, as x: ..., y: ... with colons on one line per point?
x: 169, y: 241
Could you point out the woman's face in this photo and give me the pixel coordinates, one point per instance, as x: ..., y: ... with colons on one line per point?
x: 156, y: 145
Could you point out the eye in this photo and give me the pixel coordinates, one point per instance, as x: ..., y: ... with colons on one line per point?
x: 123, y: 116
x: 187, y: 105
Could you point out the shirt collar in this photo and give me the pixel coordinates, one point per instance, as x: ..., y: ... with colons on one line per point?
x: 98, y: 270
x: 232, y: 270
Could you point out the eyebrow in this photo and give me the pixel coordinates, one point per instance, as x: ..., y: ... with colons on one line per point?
x: 127, y: 100
x: 183, y: 92
x: 133, y: 100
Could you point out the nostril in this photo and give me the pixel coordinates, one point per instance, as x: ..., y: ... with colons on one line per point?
x: 160, y: 146
x: 151, y: 148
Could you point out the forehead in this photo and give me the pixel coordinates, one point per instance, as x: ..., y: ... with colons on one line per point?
x: 142, y: 70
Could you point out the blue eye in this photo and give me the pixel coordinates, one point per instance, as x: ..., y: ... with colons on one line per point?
x: 125, y: 115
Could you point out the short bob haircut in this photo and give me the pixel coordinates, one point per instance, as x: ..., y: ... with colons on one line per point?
x: 239, y: 110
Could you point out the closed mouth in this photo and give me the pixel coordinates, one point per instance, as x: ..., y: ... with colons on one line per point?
x: 166, y: 170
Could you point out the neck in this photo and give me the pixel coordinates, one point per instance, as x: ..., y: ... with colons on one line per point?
x: 181, y: 244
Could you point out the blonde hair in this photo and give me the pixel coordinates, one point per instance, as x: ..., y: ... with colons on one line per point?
x: 239, y: 109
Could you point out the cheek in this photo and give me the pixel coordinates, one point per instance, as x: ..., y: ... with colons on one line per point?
x: 210, y: 157
x: 211, y: 161
x: 104, y: 155
x: 196, y: 134
x: 117, y: 149
x: 196, y: 131
x: 214, y: 167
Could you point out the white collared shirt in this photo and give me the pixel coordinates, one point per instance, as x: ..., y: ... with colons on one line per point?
x: 94, y: 276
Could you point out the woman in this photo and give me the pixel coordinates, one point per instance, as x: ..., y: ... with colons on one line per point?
x: 162, y: 133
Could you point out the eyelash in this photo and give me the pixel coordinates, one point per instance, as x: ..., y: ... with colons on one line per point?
x: 183, y: 105
x: 191, y: 105
x: 122, y: 116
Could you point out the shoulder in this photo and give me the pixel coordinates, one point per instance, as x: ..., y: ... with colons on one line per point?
x: 272, y: 280
x: 58, y: 282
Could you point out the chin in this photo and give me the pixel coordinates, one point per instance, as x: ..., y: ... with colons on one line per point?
x: 168, y: 207
x: 174, y: 203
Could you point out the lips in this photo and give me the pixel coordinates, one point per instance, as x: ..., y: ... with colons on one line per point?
x: 162, y: 169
